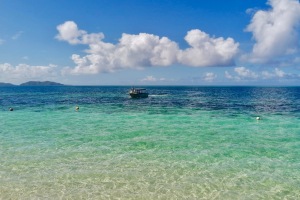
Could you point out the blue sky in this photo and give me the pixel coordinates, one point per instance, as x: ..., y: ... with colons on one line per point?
x: 150, y: 42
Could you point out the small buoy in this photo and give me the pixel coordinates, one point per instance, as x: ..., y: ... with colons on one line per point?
x: 257, y: 118
x: 77, y: 108
x: 11, y: 109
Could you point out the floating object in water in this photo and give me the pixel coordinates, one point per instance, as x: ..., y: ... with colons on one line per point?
x: 138, y: 93
x: 257, y: 118
x: 77, y: 108
x: 11, y: 109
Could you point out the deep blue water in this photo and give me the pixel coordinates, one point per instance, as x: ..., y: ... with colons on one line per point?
x: 280, y: 100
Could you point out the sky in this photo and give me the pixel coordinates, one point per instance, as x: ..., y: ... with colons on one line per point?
x: 151, y: 42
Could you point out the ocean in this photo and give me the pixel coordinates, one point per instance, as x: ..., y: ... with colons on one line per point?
x: 180, y: 143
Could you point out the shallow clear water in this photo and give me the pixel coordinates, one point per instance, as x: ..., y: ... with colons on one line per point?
x: 180, y: 143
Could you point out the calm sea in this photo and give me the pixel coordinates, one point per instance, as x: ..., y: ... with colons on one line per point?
x: 180, y: 143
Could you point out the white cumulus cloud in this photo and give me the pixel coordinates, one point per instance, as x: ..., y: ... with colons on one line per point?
x: 206, y: 51
x: 149, y: 79
x: 153, y: 79
x: 242, y: 73
x: 24, y: 72
x: 275, y: 31
x: 209, y: 76
x: 144, y: 50
x: 69, y: 32
x: 245, y: 73
x: 278, y: 74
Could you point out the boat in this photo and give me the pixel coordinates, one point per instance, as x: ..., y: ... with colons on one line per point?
x: 138, y: 93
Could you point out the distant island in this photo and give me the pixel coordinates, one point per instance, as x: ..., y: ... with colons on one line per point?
x: 34, y: 83
x: 6, y: 84
x: 41, y: 83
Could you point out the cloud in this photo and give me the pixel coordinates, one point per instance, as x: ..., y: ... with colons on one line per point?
x: 275, y: 31
x: 206, y: 51
x: 242, y: 73
x: 153, y: 79
x: 278, y: 74
x: 209, y: 76
x: 245, y: 73
x: 17, y: 35
x: 69, y: 32
x: 1, y: 41
x: 149, y: 79
x: 26, y: 72
x: 144, y: 50
x: 228, y: 75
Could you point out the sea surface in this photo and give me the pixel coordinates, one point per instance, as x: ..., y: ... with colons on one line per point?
x: 180, y: 143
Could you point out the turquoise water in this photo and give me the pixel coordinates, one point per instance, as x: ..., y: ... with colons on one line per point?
x: 180, y: 143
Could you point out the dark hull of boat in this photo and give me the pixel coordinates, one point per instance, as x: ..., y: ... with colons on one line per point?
x: 140, y: 95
